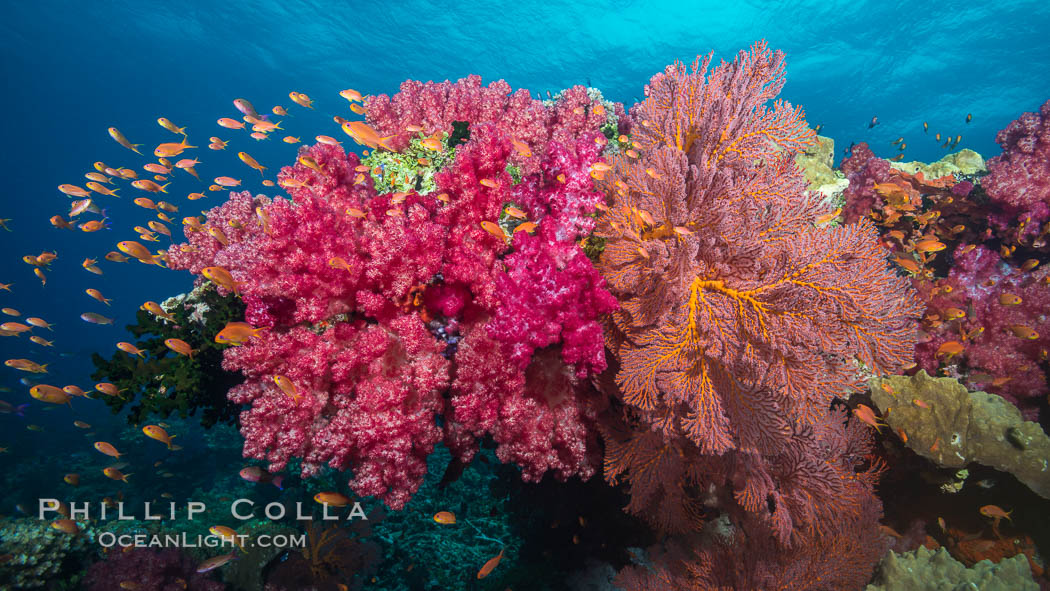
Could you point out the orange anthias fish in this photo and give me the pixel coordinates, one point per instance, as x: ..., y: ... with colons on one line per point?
x: 490, y: 565
x: 27, y: 365
x: 351, y: 95
x: 148, y: 185
x: 301, y: 99
x: 1023, y: 332
x: 287, y: 386
x: 167, y: 150
x: 158, y: 433
x: 135, y: 249
x: 225, y: 181
x: 97, y: 295
x: 155, y: 309
x: 949, y: 349
x: 222, y: 277
x: 866, y: 414
x: 107, y: 388
x: 215, y: 562
x: 237, y: 333
x: 115, y: 474
x: 67, y: 526
x: 445, y: 517
x: 180, y: 346
x: 1009, y: 299
x: 494, y: 229
x: 365, y: 135
x: 107, y: 449
x: 995, y: 512
x: 119, y: 137
x: 247, y: 159
x: 332, y: 498
x: 131, y: 349
x: 49, y: 394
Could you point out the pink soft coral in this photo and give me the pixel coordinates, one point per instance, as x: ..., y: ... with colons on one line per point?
x: 374, y: 302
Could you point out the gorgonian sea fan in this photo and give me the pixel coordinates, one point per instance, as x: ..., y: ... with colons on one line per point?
x: 739, y: 317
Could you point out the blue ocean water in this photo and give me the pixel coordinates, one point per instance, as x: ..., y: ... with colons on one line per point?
x: 73, y: 69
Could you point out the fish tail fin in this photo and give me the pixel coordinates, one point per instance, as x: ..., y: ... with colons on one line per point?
x: 278, y: 125
x: 278, y: 481
x: 163, y: 188
x: 135, y: 149
x: 126, y: 476
x: 44, y: 367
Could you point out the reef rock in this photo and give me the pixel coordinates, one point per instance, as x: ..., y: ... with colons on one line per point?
x: 818, y: 162
x: 931, y: 570
x: 962, y: 163
x: 961, y: 427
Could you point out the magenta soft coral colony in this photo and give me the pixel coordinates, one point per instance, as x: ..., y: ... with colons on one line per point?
x: 704, y: 344
x: 428, y: 313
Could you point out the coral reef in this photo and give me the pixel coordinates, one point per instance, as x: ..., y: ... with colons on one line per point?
x: 387, y: 310
x: 954, y: 427
x: 163, y: 382
x: 994, y: 313
x: 36, y: 555
x: 938, y: 571
x: 1019, y: 178
x: 817, y: 162
x: 159, y: 570
x: 740, y: 323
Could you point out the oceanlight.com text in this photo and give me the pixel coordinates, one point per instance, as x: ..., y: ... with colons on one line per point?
x: 143, y: 540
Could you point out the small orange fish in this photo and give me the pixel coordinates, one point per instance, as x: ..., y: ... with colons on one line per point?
x: 351, y: 95
x: 432, y: 144
x: 107, y: 449
x: 929, y: 246
x: 522, y: 148
x: 180, y: 346
x: 525, y: 227
x: 301, y: 99
x: 158, y: 433
x: 237, y: 333
x: 953, y: 313
x: 155, y: 309
x: 488, y: 183
x: 828, y: 217
x: 332, y: 498
x: 1009, y: 299
x: 866, y: 414
x: 1023, y: 332
x: 229, y: 124
x: 97, y: 295
x: 67, y: 526
x: 908, y: 264
x: 119, y: 137
x: 109, y: 390
x: 490, y: 565
x: 115, y: 474
x: 170, y: 149
x: 903, y: 435
x: 287, y: 386
x: 222, y: 277
x: 73, y: 479
x: 949, y: 349
x: 445, y: 517
x: 225, y: 181
x: 251, y: 162
x: 494, y: 229
x: 995, y: 512
x: 131, y: 349
x: 920, y: 403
